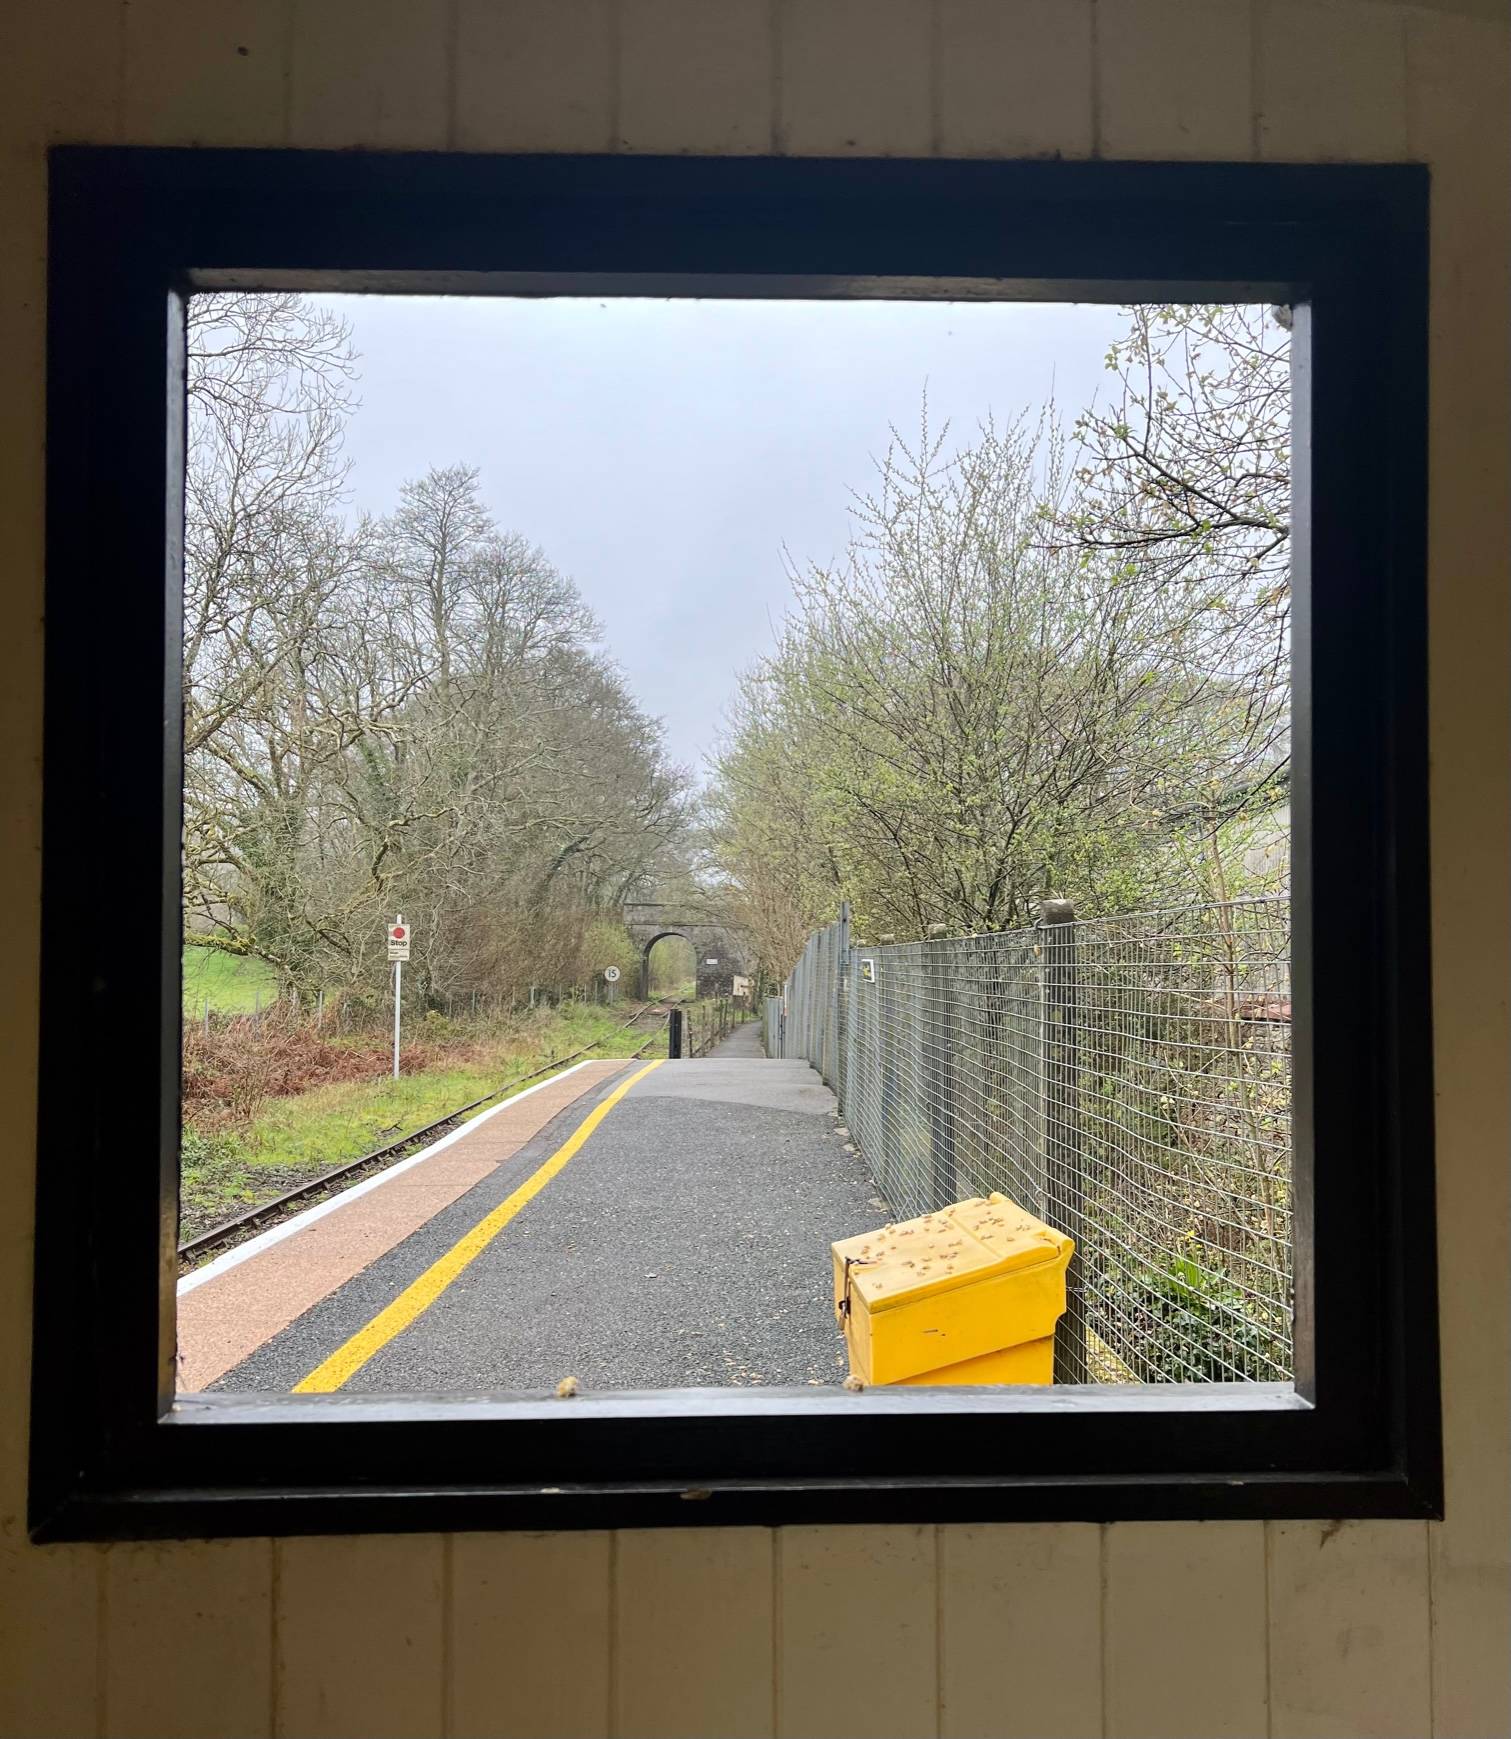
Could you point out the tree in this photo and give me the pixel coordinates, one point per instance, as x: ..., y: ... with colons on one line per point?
x: 1041, y: 669
x: 1188, y: 473
x: 268, y: 390
x: 407, y: 712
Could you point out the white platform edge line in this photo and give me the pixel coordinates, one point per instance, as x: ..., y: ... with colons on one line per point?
x: 287, y: 1228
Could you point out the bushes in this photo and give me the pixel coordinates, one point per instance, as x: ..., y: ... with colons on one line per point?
x: 1189, y: 1326
x: 230, y: 1071
x: 327, y: 1100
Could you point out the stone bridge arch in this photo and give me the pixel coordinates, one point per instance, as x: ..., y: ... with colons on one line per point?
x: 720, y: 951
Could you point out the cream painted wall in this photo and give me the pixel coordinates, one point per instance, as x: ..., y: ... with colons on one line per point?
x: 1245, y: 1629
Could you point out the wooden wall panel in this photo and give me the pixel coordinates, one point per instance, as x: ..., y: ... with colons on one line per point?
x: 218, y: 76
x: 50, y: 1604
x: 1185, y: 1639
x: 1175, y: 80
x: 60, y: 74
x: 1349, y: 1630
x: 1459, y: 101
x: 693, y: 1634
x: 536, y: 75
x: 855, y: 78
x: 857, y: 1633
x: 530, y: 1637
x: 216, y: 1603
x: 1020, y: 1616
x: 695, y: 77
x: 359, y: 1650
x: 1330, y: 83
x: 371, y: 1635
x: 1015, y: 78
x: 378, y: 72
x: 55, y: 83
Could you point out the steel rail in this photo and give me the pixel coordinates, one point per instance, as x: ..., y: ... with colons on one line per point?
x: 193, y: 1248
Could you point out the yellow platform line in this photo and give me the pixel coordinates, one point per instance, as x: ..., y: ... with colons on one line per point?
x: 347, y: 1360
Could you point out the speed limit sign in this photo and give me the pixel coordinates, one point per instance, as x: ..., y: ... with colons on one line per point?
x: 611, y: 975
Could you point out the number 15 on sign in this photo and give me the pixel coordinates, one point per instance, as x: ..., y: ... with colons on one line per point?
x: 398, y: 953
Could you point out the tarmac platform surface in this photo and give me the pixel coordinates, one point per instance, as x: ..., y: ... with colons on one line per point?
x: 684, y: 1243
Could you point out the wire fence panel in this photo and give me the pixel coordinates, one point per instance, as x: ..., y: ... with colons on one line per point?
x: 1127, y: 1079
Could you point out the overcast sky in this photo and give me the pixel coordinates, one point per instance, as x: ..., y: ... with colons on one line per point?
x: 664, y: 454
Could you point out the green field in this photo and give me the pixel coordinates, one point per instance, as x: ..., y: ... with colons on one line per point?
x: 291, y: 1140
x: 230, y: 981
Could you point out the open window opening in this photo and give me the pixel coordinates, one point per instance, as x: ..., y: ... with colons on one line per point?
x: 575, y: 681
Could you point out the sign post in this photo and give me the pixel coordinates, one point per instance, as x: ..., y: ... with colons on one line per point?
x: 398, y: 953
x: 611, y: 978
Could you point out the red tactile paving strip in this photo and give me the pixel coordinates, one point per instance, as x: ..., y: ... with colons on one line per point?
x: 225, y: 1320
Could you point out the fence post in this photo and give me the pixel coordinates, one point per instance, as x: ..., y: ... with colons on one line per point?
x: 888, y: 1047
x: 1064, y: 1164
x: 940, y: 1072
x: 841, y: 1009
x: 674, y: 1034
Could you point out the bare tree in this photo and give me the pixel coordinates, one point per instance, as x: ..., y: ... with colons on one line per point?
x: 1039, y: 667
x: 405, y: 712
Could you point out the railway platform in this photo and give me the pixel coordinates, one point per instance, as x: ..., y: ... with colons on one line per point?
x: 619, y: 1226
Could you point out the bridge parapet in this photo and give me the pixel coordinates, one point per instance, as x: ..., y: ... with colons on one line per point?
x: 720, y: 951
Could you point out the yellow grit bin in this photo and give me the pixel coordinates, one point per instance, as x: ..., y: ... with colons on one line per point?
x: 970, y: 1294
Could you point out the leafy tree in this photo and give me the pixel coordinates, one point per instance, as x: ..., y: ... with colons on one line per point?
x: 1043, y: 667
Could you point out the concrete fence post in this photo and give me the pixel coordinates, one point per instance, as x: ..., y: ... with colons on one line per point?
x: 1064, y: 1160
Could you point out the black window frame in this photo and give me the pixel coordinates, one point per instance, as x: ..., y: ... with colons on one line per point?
x: 132, y: 232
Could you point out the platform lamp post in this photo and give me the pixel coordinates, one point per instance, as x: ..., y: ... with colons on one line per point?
x: 398, y: 953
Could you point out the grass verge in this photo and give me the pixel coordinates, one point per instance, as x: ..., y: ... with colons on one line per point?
x: 287, y: 1141
x: 231, y: 983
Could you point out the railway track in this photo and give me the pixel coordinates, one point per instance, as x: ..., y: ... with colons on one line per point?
x: 229, y: 1233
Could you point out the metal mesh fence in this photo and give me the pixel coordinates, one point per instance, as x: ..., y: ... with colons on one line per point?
x: 1127, y: 1079
x: 705, y: 1024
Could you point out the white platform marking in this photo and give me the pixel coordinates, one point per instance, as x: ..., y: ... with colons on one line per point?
x: 287, y: 1228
